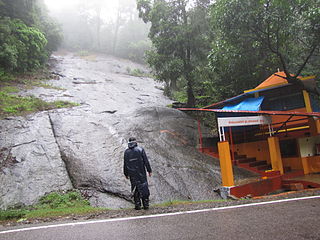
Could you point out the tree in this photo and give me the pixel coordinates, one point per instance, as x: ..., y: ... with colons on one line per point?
x: 19, y: 9
x: 22, y: 48
x: 133, y: 39
x: 34, y: 14
x: 281, y: 32
x: 125, y: 11
x: 179, y: 36
x: 111, y: 27
x: 27, y: 35
x: 88, y: 15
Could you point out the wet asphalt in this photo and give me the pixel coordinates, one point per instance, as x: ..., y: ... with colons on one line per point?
x: 293, y: 219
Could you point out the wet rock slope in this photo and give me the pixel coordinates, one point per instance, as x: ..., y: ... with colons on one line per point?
x: 82, y: 147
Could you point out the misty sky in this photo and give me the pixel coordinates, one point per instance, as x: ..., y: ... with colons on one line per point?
x: 56, y: 5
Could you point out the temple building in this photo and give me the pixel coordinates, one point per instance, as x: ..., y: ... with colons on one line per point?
x: 272, y: 130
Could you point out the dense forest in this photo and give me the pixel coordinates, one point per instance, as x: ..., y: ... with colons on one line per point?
x: 216, y: 49
x: 111, y: 27
x: 203, y: 50
x: 27, y: 35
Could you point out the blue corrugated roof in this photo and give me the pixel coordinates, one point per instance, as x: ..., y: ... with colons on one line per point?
x: 243, y: 95
x: 249, y: 104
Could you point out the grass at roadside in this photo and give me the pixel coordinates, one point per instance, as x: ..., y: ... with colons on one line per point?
x: 71, y: 203
x: 52, y: 205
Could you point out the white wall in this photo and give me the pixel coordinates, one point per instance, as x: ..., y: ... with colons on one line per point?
x: 307, y: 146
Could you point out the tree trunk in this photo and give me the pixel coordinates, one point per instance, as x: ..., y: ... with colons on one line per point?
x: 188, y: 69
x: 115, y: 37
x: 173, y: 85
x: 191, y: 99
x: 191, y: 102
x: 98, y: 10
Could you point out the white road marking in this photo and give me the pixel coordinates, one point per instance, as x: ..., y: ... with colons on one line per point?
x: 156, y: 215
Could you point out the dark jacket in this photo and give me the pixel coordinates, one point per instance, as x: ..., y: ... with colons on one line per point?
x: 135, y: 164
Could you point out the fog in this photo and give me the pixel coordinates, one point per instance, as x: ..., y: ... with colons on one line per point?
x: 107, y: 26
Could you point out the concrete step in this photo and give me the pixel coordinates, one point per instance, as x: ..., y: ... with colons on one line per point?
x: 236, y: 157
x: 264, y: 167
x: 287, y: 169
x: 257, y: 163
x: 246, y: 160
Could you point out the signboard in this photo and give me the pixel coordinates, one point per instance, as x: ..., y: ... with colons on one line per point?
x: 244, y: 121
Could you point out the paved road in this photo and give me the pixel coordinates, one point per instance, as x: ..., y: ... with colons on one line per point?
x: 293, y: 219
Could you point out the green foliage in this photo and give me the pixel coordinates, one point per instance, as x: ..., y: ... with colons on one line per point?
x: 136, y: 50
x: 64, y: 104
x: 9, y: 89
x: 180, y: 96
x: 245, y: 42
x: 33, y: 13
x: 53, y: 34
x: 133, y: 40
x: 60, y: 200
x: 86, y: 27
x: 58, y: 212
x: 22, y: 48
x: 255, y: 38
x: 12, y: 105
x: 11, y: 214
x: 180, y: 38
x: 83, y: 53
x: 51, y: 205
x: 5, y: 76
x: 137, y: 72
x: 27, y: 36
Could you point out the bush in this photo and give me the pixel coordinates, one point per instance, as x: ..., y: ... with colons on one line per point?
x: 22, y: 48
x: 83, y: 53
x: 180, y: 96
x: 136, y: 50
x: 50, y: 205
x: 62, y: 200
x: 11, y: 214
x: 5, y: 77
x: 137, y: 72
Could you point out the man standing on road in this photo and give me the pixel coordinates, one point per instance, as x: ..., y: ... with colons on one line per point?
x: 135, y: 165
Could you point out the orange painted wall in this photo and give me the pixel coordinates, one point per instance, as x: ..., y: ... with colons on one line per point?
x: 311, y: 164
x: 259, y: 150
x: 314, y: 126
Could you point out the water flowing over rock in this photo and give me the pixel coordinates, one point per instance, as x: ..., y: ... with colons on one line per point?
x: 82, y: 147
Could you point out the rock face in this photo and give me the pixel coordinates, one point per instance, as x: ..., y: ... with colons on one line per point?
x: 30, y: 161
x: 82, y: 147
x: 94, y: 157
